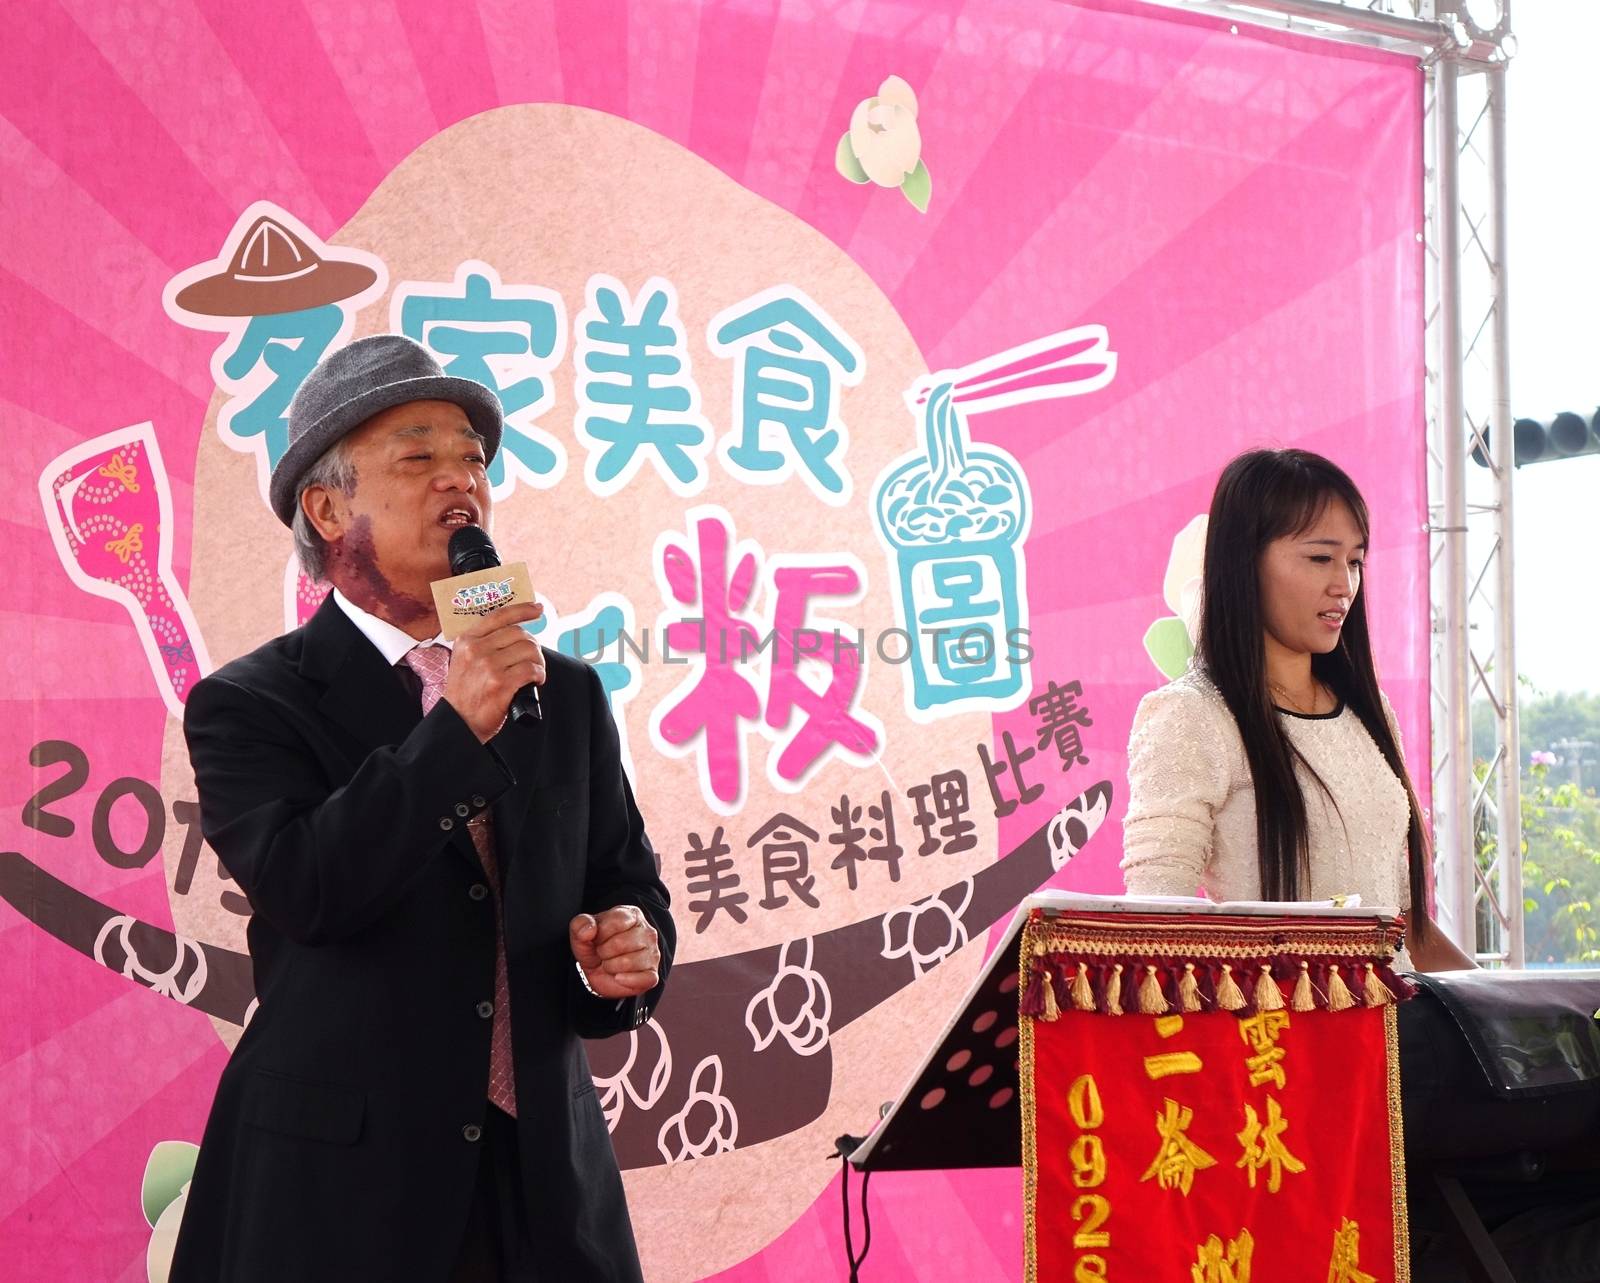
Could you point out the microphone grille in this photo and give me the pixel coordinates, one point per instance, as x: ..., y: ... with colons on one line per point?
x: 471, y: 549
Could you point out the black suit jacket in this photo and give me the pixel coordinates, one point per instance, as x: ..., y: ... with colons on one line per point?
x: 343, y: 1141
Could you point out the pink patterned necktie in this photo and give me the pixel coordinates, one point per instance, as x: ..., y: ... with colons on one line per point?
x: 431, y: 663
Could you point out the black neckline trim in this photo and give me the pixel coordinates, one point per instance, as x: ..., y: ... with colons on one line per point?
x: 1312, y: 717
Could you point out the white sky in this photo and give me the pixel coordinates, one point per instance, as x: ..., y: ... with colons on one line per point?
x: 1553, y: 156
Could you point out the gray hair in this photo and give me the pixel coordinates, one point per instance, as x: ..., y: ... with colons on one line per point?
x: 335, y: 470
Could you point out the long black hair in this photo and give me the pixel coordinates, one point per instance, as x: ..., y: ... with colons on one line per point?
x: 1261, y: 496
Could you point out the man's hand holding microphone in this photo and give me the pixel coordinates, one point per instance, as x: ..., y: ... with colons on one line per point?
x: 490, y: 663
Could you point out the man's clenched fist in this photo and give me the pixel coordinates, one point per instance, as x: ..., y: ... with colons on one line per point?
x: 617, y: 950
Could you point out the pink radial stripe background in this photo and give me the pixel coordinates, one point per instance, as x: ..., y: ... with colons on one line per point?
x: 1241, y: 212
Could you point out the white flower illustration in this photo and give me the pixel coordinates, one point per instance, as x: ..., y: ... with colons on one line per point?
x: 619, y: 1088
x: 707, y: 1111
x: 1181, y: 587
x: 1170, y: 641
x: 1074, y: 824
x: 163, y: 1194
x: 164, y: 1238
x: 883, y: 132
x: 133, y: 967
x: 884, y: 143
x: 928, y: 931
x: 804, y: 993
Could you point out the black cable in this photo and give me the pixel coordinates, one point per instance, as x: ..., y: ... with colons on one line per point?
x: 844, y: 1196
x: 844, y: 1147
x: 866, y: 1221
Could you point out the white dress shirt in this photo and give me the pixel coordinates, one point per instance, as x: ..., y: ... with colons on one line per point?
x: 392, y: 643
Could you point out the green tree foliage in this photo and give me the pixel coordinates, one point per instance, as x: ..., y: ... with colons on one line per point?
x: 1560, y: 736
x: 1560, y: 869
x: 1546, y: 722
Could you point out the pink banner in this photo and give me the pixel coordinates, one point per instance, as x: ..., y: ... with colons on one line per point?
x: 925, y: 329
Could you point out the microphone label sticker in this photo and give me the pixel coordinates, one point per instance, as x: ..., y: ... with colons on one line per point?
x: 479, y: 598
x: 464, y: 598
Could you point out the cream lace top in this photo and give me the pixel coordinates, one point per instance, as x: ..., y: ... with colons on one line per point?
x: 1191, y: 819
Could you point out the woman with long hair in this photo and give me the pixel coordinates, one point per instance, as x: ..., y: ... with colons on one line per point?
x: 1272, y: 769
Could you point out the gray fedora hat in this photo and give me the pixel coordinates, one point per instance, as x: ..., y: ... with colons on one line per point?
x: 358, y: 381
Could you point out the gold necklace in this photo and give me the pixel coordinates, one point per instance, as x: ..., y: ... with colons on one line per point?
x: 1294, y: 704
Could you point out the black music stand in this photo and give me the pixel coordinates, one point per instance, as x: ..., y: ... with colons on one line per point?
x: 961, y: 1108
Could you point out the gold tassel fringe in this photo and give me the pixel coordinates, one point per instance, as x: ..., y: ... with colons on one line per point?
x: 1377, y: 992
x: 1269, y: 997
x: 1152, y: 1002
x: 1082, y: 990
x: 1339, y: 996
x: 1188, y: 990
x: 1150, y: 995
x: 1304, y: 998
x: 1229, y: 995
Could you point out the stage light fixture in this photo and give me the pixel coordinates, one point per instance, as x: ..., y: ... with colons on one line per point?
x: 1569, y: 434
x: 1564, y: 436
x: 1528, y: 436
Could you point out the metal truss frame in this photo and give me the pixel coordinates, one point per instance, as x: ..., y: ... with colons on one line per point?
x: 1463, y: 47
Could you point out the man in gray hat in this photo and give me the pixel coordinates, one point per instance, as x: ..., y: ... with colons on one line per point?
x: 444, y: 902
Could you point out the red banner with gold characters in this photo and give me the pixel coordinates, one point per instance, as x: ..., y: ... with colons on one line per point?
x: 1240, y: 1122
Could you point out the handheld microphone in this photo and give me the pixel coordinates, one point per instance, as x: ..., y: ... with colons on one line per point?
x: 471, y: 549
